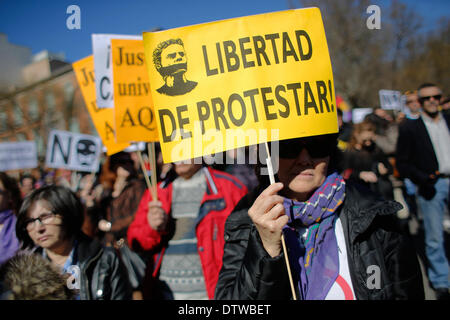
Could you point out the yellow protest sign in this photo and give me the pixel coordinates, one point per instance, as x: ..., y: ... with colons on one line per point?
x: 133, y: 107
x: 232, y: 83
x: 103, y: 119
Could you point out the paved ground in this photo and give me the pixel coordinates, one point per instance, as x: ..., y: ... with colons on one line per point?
x: 417, y: 235
x: 416, y: 231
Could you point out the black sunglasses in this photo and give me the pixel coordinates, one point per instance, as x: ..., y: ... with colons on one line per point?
x: 317, y: 147
x: 436, y: 97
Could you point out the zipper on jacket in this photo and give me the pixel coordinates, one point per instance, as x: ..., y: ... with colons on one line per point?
x: 88, y: 289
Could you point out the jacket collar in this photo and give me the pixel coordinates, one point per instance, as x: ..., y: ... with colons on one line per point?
x: 361, y: 207
x: 88, y: 249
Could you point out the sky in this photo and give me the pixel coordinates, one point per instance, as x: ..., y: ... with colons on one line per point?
x: 41, y: 24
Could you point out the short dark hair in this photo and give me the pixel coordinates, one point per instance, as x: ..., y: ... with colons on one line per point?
x: 426, y: 85
x: 122, y: 159
x: 62, y: 201
x: 27, y: 176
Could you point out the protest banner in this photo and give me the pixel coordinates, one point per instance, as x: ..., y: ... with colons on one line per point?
x: 73, y: 151
x: 18, y: 155
x: 101, y: 47
x: 390, y: 99
x: 232, y: 83
x: 103, y: 119
x: 133, y: 107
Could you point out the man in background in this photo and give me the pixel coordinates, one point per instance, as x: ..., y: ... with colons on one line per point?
x: 423, y: 155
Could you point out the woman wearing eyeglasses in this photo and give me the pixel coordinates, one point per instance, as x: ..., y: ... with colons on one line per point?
x: 343, y: 243
x: 50, y: 220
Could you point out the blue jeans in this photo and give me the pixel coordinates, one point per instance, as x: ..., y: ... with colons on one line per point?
x: 410, y: 187
x: 433, y: 215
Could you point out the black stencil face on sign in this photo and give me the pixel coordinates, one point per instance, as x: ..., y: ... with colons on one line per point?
x: 86, y: 151
x: 170, y: 61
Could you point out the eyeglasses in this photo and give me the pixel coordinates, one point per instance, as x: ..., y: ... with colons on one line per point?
x: 435, y: 97
x: 45, y: 218
x: 317, y: 147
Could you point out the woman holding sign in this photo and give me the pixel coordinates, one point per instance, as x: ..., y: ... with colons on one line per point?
x: 343, y: 242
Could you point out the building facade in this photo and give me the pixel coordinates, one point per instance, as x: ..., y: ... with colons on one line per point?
x: 49, y: 99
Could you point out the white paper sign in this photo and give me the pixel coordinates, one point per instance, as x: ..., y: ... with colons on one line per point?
x: 18, y: 155
x: 390, y: 99
x: 358, y: 114
x: 101, y: 47
x: 73, y: 151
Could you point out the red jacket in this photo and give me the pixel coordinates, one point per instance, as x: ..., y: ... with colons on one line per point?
x: 222, y: 194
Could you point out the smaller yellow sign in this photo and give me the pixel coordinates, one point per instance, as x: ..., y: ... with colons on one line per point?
x: 103, y: 119
x: 133, y: 106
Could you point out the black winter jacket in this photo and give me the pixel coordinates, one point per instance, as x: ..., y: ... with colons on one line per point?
x: 415, y: 155
x: 103, y: 275
x: 372, y: 238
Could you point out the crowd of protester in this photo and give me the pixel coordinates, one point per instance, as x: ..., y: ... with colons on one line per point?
x: 214, y: 231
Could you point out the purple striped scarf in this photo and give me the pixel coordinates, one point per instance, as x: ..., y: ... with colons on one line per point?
x: 316, y: 264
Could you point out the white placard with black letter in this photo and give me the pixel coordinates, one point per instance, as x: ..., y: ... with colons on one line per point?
x: 18, y: 155
x: 101, y: 47
x: 390, y: 99
x: 73, y: 151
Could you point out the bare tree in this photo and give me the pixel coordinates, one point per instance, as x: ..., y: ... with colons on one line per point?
x: 365, y: 60
x: 404, y: 23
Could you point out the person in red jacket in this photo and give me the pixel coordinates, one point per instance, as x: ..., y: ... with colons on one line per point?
x: 186, y: 227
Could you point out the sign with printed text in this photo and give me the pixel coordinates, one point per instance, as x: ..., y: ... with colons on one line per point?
x: 103, y: 119
x: 233, y: 83
x: 390, y: 100
x: 73, y: 151
x: 18, y: 155
x: 133, y: 107
x: 101, y: 47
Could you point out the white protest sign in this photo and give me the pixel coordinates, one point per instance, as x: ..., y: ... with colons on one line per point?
x: 73, y: 151
x: 358, y: 114
x: 390, y: 99
x: 101, y: 47
x: 18, y: 155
